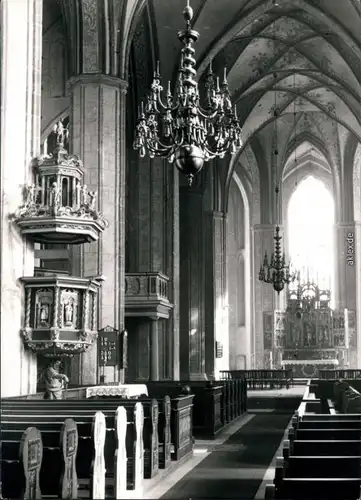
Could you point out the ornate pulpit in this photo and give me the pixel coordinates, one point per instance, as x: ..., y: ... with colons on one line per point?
x: 60, y: 311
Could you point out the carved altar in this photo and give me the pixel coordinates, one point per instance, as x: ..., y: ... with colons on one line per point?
x: 309, y: 335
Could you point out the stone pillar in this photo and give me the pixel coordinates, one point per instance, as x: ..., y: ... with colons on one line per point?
x: 216, y: 310
x: 154, y: 351
x: 192, y: 283
x: 21, y: 52
x: 97, y: 121
x: 264, y: 296
x: 153, y: 242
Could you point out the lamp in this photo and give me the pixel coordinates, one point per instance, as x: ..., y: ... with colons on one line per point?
x: 177, y: 127
x: 275, y: 271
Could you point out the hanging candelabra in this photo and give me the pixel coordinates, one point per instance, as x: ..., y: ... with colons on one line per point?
x: 275, y: 271
x: 178, y: 128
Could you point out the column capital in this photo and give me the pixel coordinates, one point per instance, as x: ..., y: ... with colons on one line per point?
x: 98, y: 79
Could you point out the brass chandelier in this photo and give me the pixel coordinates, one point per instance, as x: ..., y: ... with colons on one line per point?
x: 178, y: 127
x: 275, y: 271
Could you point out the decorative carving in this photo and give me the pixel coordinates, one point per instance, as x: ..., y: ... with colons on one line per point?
x: 31, y: 453
x: 69, y: 309
x: 69, y: 445
x: 57, y: 207
x: 55, y: 322
x: 146, y: 294
x: 185, y: 431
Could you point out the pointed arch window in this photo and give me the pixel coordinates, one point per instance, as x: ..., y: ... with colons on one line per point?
x: 311, y: 218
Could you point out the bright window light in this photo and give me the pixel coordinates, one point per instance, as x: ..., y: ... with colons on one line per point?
x: 311, y: 214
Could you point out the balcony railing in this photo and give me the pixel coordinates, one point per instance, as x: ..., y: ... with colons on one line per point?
x: 147, y: 294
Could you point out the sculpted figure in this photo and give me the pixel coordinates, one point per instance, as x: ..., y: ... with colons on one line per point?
x: 68, y: 312
x: 54, y: 381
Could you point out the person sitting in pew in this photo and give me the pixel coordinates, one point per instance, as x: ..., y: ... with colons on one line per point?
x: 54, y: 381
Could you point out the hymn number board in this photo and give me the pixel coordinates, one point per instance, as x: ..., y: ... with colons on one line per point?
x: 108, y: 346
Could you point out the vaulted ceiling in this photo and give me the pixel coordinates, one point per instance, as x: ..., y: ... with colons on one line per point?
x: 296, y: 63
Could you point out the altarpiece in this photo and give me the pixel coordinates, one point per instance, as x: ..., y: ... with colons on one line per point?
x: 309, y: 335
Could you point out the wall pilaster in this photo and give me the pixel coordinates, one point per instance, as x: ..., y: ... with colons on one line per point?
x: 97, y: 120
x: 216, y: 308
x: 192, y: 329
x: 153, y: 245
x: 21, y: 51
x: 264, y: 295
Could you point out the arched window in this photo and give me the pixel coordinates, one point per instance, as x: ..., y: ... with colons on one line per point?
x: 311, y: 214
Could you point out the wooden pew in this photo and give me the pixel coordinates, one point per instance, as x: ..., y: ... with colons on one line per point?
x: 316, y: 489
x: 321, y: 458
x: 322, y: 448
x: 86, y: 428
x: 214, y: 405
x: 329, y: 434
x: 55, y: 473
x: 110, y: 404
x: 83, y: 412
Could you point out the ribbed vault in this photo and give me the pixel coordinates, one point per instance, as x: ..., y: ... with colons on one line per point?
x: 291, y: 61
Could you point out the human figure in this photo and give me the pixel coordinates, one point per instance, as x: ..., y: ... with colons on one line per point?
x: 54, y: 381
x: 68, y: 312
x: 62, y: 134
x: 44, y: 313
x: 56, y: 196
x: 92, y: 198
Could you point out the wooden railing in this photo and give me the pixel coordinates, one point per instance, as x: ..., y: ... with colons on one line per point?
x: 261, y: 379
x: 339, y: 374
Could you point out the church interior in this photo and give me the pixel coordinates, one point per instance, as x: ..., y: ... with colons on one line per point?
x: 180, y: 232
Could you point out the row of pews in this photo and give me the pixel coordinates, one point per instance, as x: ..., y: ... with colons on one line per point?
x: 85, y: 444
x: 105, y: 447
x: 261, y: 379
x: 321, y: 457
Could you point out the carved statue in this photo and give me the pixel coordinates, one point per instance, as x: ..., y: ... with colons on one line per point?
x: 68, y: 309
x: 54, y: 381
x: 56, y: 196
x: 84, y: 191
x: 92, y: 199
x: 78, y: 195
x: 62, y: 133
x: 31, y: 194
x: 44, y: 313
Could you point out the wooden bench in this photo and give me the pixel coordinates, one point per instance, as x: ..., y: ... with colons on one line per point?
x: 316, y: 489
x: 323, y: 467
x: 96, y: 473
x: 214, y: 405
x: 47, y: 466
x: 321, y: 457
x: 82, y: 412
x: 329, y: 434
x: 49, y: 415
x: 261, y: 379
